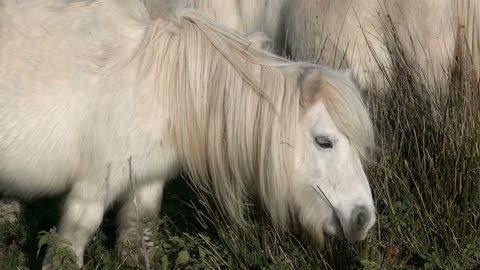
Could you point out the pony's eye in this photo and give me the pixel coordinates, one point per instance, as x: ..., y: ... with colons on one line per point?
x: 324, y: 142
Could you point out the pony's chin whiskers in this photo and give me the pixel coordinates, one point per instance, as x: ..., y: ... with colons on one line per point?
x: 335, y: 223
x: 313, y: 216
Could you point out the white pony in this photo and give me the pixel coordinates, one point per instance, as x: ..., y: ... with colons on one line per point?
x: 86, y: 86
x: 355, y: 34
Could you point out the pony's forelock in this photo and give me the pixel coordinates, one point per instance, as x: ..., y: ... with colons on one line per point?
x: 348, y: 110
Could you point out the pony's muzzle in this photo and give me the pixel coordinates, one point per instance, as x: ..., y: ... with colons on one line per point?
x: 361, y: 220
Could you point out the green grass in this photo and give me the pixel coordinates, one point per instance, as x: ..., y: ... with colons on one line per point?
x: 425, y: 176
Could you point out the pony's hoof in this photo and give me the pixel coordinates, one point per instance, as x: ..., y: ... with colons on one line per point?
x: 133, y: 252
x: 134, y: 255
x: 9, y: 210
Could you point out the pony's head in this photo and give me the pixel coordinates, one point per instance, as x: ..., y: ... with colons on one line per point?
x: 332, y: 194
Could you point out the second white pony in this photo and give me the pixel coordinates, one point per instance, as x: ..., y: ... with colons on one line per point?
x: 356, y: 34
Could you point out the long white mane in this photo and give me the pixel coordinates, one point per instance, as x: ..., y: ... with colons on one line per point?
x: 234, y: 127
x: 236, y: 110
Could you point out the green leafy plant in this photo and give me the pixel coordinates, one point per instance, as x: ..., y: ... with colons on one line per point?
x: 60, y: 253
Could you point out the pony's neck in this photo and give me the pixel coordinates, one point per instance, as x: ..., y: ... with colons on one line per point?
x: 233, y: 111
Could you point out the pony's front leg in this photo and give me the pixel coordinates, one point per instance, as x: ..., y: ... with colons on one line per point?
x: 83, y: 213
x: 136, y: 220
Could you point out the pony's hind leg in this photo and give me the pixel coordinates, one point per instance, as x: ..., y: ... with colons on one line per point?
x: 136, y: 221
x: 83, y: 213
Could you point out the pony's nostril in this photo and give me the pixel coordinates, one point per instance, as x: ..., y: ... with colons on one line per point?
x: 359, y: 218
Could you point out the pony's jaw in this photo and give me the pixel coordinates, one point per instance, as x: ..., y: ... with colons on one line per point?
x: 313, y: 215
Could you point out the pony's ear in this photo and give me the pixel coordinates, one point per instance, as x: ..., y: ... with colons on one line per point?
x: 309, y: 91
x: 312, y: 88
